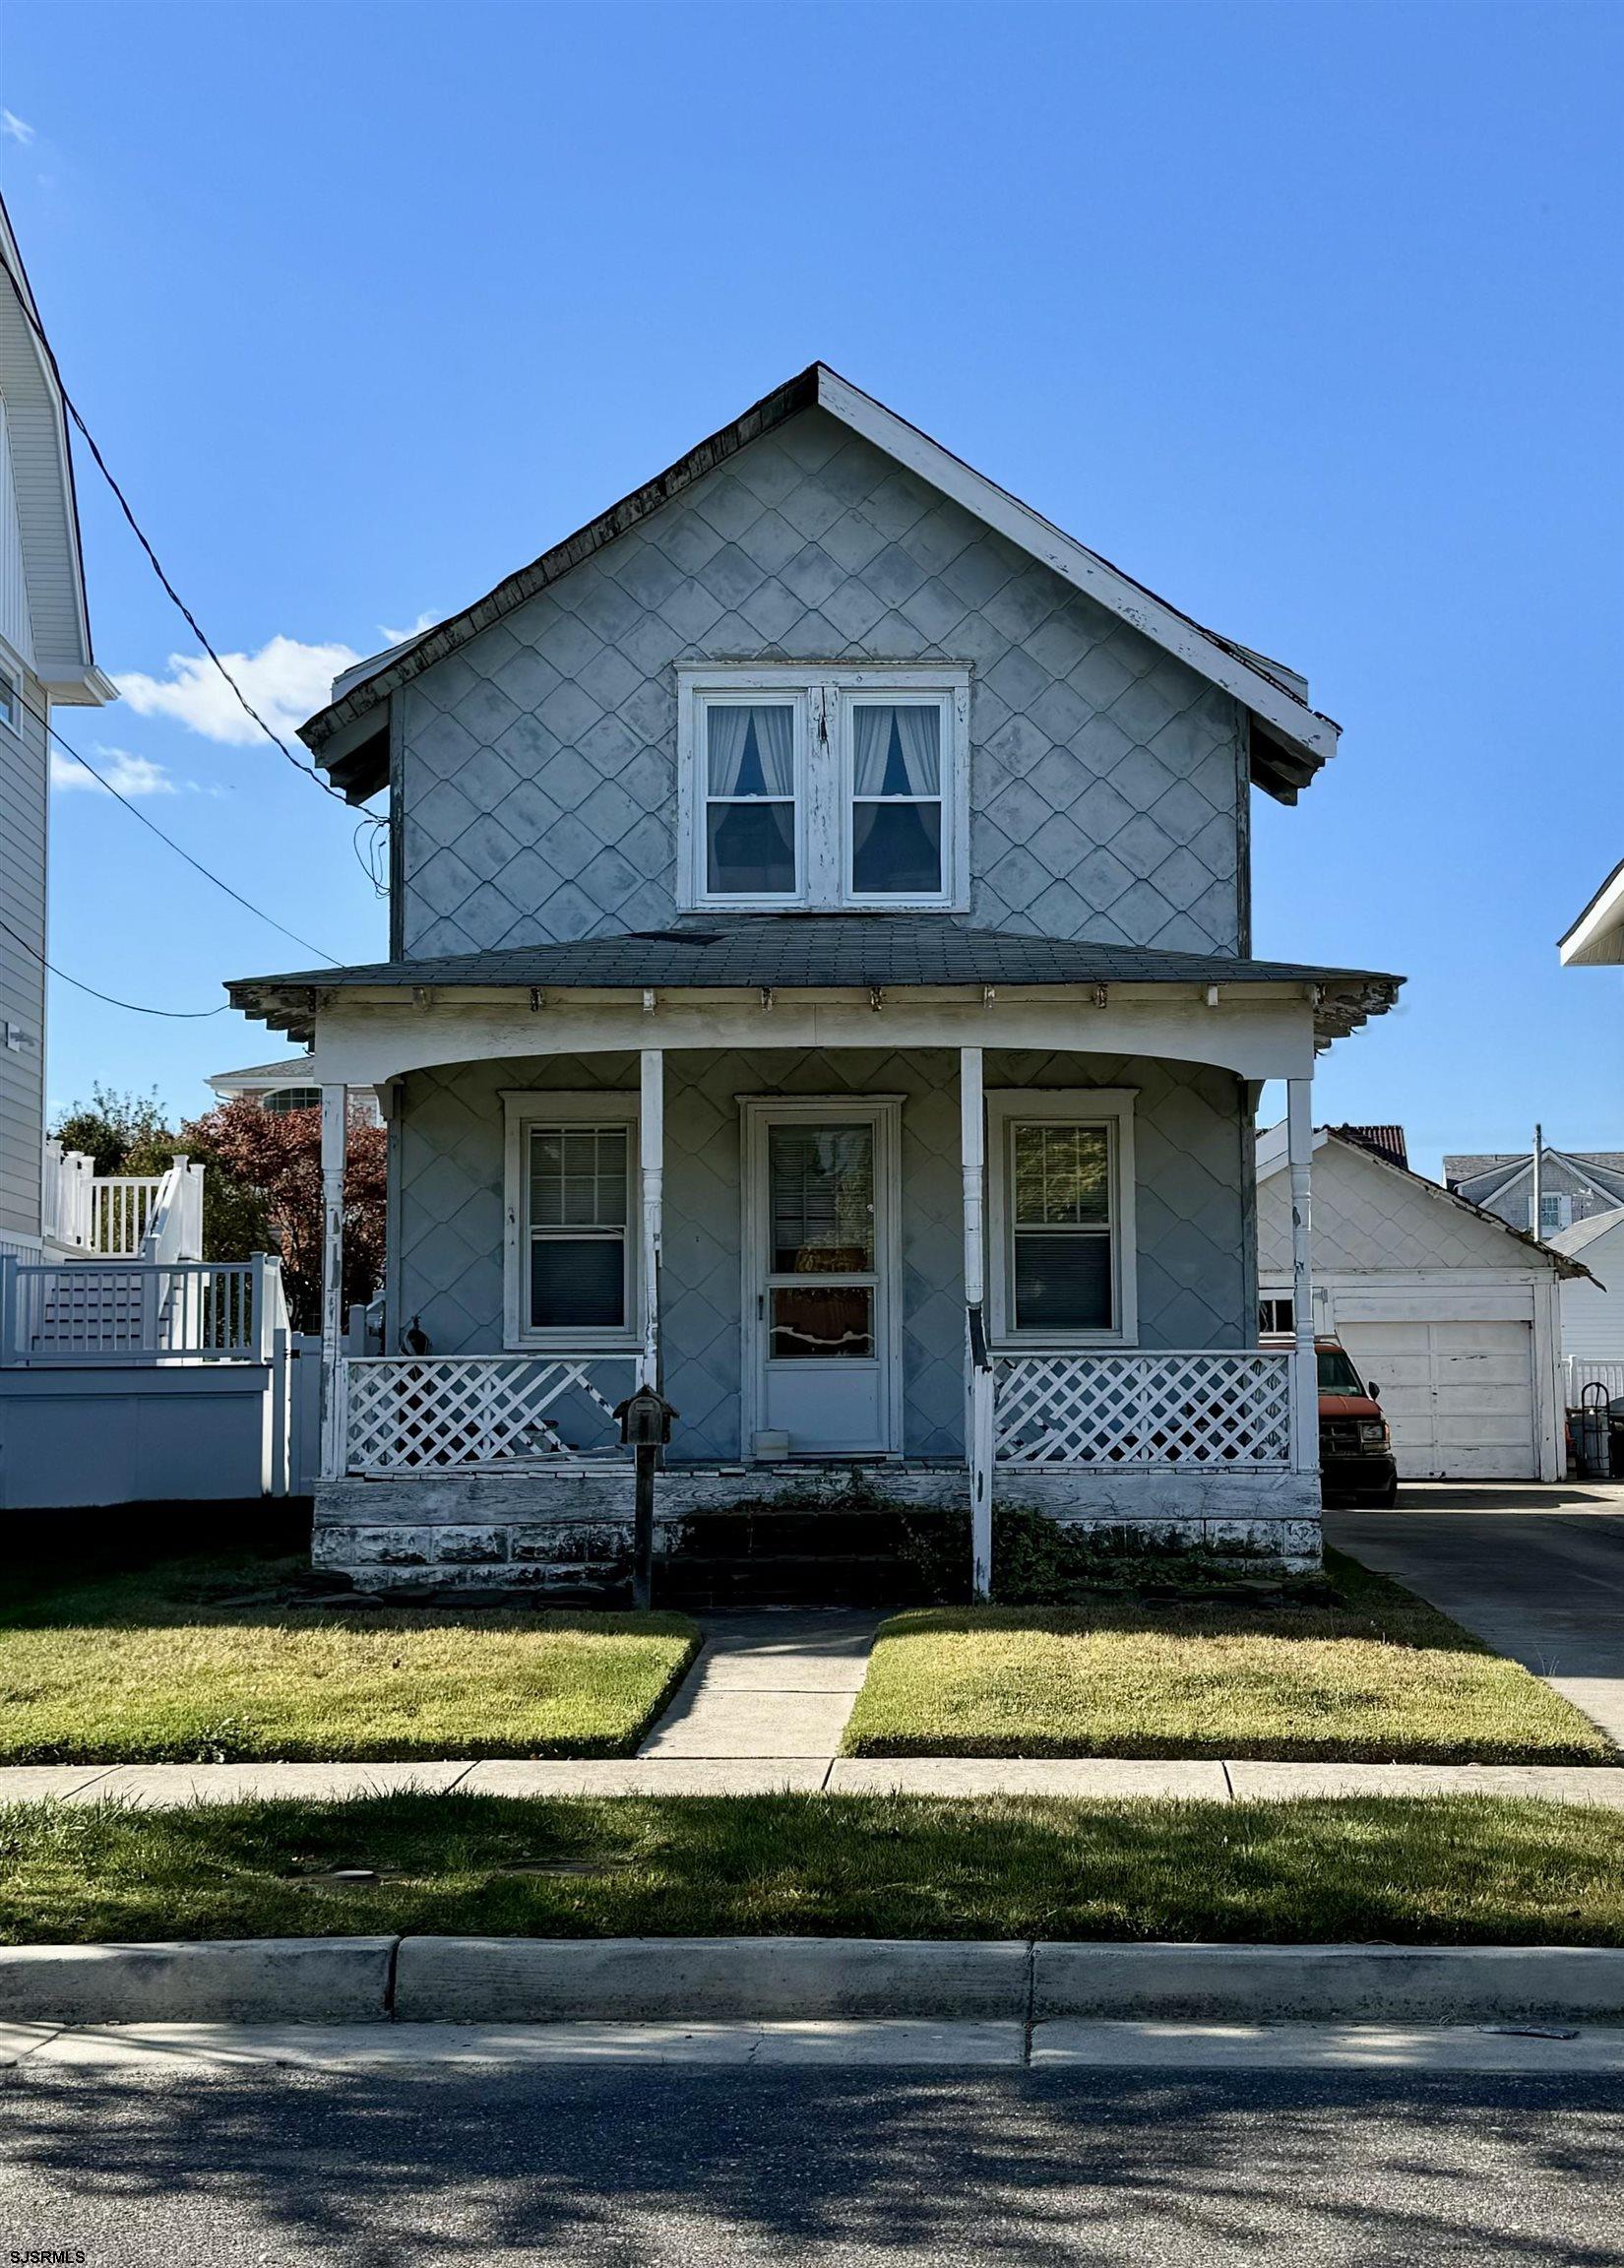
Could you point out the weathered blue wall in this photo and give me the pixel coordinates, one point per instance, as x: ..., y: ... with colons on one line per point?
x: 538, y: 782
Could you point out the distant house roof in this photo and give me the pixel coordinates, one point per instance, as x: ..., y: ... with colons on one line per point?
x: 1387, y: 1141
x: 1596, y: 938
x: 1487, y: 1177
x: 1289, y: 740
x: 819, y: 951
x: 1272, y: 1158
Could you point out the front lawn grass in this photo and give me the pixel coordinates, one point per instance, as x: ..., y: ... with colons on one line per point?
x: 212, y: 1659
x: 1435, y: 1870
x: 1376, y: 1675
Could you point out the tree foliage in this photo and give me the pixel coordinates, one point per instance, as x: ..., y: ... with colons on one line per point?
x: 261, y: 1190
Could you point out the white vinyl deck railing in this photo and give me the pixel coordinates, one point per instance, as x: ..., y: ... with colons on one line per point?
x: 121, y: 1215
x: 405, y: 1414
x: 190, y: 1312
x: 1580, y: 1372
x: 1221, y: 1411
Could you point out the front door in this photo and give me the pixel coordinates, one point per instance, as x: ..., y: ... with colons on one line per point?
x: 821, y: 1279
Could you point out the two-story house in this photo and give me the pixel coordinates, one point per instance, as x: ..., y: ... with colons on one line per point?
x: 820, y: 983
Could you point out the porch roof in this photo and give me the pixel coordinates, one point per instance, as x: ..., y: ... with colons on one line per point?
x: 817, y: 952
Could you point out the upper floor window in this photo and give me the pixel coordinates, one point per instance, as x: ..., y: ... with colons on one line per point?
x: 11, y: 701
x: 285, y: 1098
x: 826, y: 790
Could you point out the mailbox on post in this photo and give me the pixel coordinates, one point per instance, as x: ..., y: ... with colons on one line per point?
x: 645, y: 1429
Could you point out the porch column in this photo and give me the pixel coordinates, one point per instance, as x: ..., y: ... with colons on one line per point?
x: 978, y: 1412
x: 1305, y: 1402
x: 651, y: 1150
x: 334, y: 1128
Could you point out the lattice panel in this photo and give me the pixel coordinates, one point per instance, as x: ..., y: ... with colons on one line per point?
x: 404, y: 1413
x: 1202, y: 1408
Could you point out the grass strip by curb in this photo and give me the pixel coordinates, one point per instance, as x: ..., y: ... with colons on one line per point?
x: 1438, y: 1869
x: 1378, y: 1676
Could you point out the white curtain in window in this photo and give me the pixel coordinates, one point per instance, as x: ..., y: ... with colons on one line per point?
x: 914, y: 768
x: 747, y: 762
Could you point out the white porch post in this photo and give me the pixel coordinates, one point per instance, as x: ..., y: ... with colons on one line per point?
x: 979, y: 1412
x: 335, y: 1129
x: 651, y: 1146
x: 1305, y: 1399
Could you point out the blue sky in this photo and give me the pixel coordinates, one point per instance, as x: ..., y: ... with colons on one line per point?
x: 1306, y: 315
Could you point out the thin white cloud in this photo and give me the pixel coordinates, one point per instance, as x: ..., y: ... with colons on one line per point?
x: 286, y: 680
x: 131, y: 775
x: 18, y: 129
x: 424, y: 621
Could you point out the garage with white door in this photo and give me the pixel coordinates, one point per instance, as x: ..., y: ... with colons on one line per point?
x: 1449, y: 1313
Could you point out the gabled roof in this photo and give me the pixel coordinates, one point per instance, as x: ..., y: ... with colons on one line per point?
x: 1596, y: 938
x: 818, y: 951
x: 1290, y: 739
x: 1271, y: 1159
x: 1488, y: 1178
x: 35, y: 432
x: 1581, y: 1234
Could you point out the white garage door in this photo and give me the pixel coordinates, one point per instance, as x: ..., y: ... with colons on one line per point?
x: 1458, y: 1395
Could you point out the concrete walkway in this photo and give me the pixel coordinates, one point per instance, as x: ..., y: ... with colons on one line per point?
x: 768, y: 1687
x: 1536, y: 1572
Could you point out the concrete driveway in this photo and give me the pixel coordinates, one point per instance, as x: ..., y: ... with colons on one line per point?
x: 1536, y: 1572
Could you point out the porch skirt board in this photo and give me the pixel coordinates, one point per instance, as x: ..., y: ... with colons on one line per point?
x: 571, y: 1530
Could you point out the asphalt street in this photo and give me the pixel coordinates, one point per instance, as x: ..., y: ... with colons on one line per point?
x: 687, y: 2166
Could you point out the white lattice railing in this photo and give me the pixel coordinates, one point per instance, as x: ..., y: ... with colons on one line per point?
x: 404, y: 1413
x: 1216, y: 1410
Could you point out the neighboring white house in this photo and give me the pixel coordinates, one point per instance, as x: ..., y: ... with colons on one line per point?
x: 292, y: 1083
x: 1452, y: 1313
x: 1593, y: 1307
x: 1596, y: 938
x: 45, y: 662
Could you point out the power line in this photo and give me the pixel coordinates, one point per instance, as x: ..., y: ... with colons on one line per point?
x: 191, y: 620
x: 154, y: 827
x: 135, y: 1007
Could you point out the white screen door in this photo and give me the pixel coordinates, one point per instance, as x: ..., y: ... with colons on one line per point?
x: 821, y: 1279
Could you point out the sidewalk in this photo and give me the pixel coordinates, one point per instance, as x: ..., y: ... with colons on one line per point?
x: 664, y: 1774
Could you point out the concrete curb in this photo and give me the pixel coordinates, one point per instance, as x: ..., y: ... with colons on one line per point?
x: 1331, y: 1983
x: 233, y: 1979
x: 612, y: 1979
x: 732, y: 1979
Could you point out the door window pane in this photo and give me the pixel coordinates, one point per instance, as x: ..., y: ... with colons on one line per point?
x: 821, y: 1322
x: 896, y: 807
x: 750, y: 800
x: 821, y: 1196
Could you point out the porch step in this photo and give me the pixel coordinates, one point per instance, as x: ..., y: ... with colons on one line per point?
x: 763, y: 1555
x: 782, y: 1579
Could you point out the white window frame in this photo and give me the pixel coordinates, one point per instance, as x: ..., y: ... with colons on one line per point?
x: 823, y: 695
x: 1111, y: 1107
x: 526, y: 1108
x: 11, y: 699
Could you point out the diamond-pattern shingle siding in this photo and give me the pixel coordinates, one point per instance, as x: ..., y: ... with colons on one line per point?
x: 540, y: 786
x: 1194, y: 1278
x: 1369, y: 1217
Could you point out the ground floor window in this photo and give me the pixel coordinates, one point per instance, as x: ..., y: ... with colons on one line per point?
x: 1277, y: 1315
x: 1060, y: 1210
x: 571, y: 1246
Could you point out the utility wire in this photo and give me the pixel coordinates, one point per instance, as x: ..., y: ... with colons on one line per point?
x: 135, y: 1007
x: 275, y: 739
x: 153, y: 827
